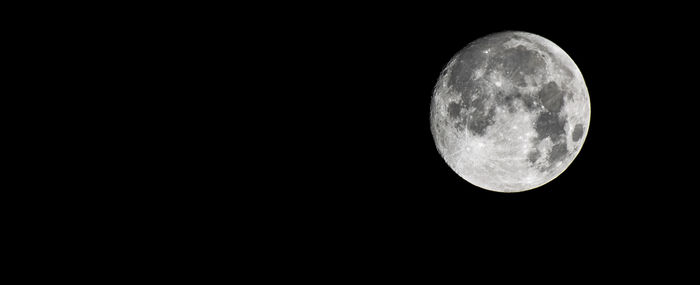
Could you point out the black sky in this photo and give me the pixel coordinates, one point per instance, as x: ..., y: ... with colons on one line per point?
x: 304, y: 130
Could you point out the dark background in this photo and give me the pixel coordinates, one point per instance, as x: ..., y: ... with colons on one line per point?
x: 302, y: 132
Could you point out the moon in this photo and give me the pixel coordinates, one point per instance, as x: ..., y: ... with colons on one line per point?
x: 510, y: 112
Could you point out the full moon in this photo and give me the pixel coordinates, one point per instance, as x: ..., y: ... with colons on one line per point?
x: 510, y: 112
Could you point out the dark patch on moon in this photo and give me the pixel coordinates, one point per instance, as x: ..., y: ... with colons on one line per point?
x: 453, y: 110
x: 533, y: 156
x: 558, y: 152
x: 470, y: 88
x: 549, y: 125
x: 529, y: 102
x: 514, y: 60
x: 480, y: 120
x: 508, y: 100
x: 471, y: 112
x: 552, y: 97
x: 517, y: 62
x: 578, y: 132
x: 467, y: 62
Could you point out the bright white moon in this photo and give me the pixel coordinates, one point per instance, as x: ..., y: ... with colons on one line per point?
x: 510, y: 112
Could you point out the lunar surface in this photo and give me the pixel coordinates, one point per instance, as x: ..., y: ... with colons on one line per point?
x: 510, y: 112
